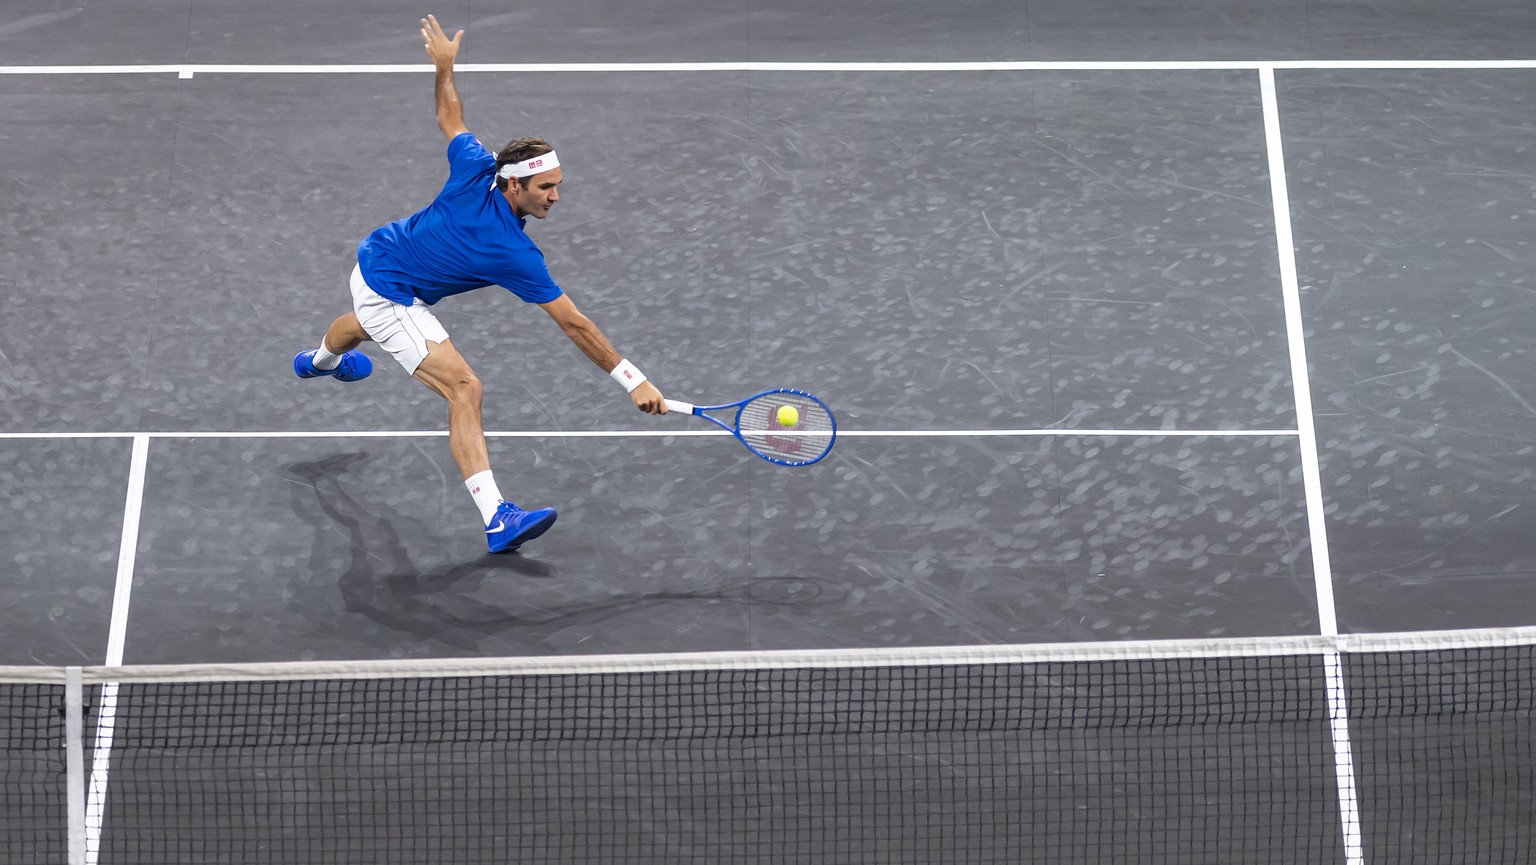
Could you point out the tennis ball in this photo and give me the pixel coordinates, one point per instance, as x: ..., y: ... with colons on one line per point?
x: 788, y: 416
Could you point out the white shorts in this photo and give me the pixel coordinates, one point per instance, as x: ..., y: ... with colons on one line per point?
x: 403, y: 331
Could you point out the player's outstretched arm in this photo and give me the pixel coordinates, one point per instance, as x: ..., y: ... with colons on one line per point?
x: 444, y: 53
x: 585, y: 334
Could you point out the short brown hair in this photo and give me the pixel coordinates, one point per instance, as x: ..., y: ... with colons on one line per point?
x: 517, y: 150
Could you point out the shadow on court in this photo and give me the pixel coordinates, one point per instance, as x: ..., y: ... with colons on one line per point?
x: 380, y: 582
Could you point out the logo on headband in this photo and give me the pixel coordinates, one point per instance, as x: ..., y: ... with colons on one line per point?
x: 527, y: 168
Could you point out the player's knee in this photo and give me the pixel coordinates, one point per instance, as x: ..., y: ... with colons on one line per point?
x: 465, y: 386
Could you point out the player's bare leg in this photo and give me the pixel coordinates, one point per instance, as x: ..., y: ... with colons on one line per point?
x: 345, y: 334
x: 337, y: 355
x: 446, y: 372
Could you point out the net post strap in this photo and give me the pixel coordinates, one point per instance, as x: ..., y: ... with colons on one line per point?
x: 74, y: 751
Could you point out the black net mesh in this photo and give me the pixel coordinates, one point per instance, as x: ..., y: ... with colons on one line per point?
x: 1155, y: 760
x: 1445, y: 753
x: 1172, y: 761
x: 33, y: 784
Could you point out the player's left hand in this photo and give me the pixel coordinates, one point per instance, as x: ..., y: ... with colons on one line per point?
x: 440, y: 48
x: 648, y: 399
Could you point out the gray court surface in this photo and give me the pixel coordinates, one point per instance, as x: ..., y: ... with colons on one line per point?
x: 1084, y: 259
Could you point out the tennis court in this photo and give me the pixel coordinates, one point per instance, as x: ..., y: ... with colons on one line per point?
x: 1181, y: 356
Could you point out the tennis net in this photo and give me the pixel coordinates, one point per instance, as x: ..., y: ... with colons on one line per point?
x: 1380, y: 749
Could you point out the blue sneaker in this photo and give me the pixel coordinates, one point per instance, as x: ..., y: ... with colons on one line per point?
x: 512, y: 526
x: 354, y: 366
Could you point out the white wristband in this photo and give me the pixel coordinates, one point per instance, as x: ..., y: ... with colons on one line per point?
x: 626, y: 374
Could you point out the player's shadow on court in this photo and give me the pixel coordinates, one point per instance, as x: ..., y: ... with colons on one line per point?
x: 380, y: 582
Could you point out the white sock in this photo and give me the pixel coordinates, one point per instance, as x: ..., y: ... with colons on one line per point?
x: 324, y: 359
x: 483, y: 487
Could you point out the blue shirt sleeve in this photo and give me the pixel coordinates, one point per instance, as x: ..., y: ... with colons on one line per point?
x: 468, y: 161
x: 527, y: 276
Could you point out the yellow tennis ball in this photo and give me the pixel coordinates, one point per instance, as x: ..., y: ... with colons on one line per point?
x: 788, y: 416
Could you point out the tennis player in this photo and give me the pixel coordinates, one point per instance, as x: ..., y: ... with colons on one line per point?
x: 469, y: 237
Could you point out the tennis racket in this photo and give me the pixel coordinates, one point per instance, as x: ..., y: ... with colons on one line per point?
x: 760, y: 424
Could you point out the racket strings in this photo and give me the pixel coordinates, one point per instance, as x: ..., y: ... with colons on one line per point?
x: 804, y: 440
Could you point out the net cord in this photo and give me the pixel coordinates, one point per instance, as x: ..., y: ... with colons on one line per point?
x: 1413, y: 641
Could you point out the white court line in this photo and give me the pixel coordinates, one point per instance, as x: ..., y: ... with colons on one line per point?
x: 1300, y: 383
x: 128, y: 549
x: 588, y: 434
x: 106, y: 719
x: 96, y: 792
x: 189, y: 70
x: 1322, y: 569
x: 1343, y: 759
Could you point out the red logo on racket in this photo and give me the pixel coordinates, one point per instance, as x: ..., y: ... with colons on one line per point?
x: 783, y: 445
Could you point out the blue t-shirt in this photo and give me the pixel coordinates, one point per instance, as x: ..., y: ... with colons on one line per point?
x: 467, y: 238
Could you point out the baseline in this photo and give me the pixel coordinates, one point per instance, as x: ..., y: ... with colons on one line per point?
x: 189, y: 70
x: 934, y: 433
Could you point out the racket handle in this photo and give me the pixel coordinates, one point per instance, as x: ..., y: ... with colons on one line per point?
x: 678, y: 405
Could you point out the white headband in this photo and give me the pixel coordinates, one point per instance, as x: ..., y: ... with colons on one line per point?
x: 530, y: 166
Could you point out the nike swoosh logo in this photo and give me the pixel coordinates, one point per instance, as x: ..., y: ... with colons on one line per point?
x: 491, y: 530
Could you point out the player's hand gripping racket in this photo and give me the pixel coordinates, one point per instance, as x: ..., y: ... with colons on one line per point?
x: 784, y: 426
